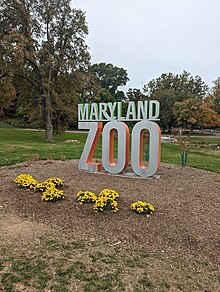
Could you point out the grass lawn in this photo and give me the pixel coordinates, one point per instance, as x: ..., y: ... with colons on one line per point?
x: 55, y: 265
x: 18, y: 145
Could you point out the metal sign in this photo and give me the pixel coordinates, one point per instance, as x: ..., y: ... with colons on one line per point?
x: 91, y: 116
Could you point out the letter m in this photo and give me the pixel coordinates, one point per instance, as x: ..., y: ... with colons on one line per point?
x: 83, y: 111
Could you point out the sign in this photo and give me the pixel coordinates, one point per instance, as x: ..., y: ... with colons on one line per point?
x: 144, y: 110
x: 145, y: 113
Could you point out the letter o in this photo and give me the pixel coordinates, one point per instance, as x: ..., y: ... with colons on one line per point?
x: 154, y: 148
x: 108, y: 161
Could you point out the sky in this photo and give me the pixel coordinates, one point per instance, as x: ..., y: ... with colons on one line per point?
x: 151, y: 37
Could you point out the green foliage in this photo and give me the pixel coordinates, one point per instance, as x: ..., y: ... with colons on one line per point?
x: 216, y: 95
x: 109, y: 77
x: 183, y: 85
x: 42, y: 45
x: 134, y: 94
x: 7, y: 93
x: 103, y: 95
x: 169, y: 88
x: 167, y: 99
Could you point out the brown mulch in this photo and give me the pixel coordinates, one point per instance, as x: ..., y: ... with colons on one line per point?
x: 186, y: 221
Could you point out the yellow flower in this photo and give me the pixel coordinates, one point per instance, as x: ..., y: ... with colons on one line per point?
x: 25, y: 181
x: 142, y: 207
x: 106, y: 201
x: 86, y: 197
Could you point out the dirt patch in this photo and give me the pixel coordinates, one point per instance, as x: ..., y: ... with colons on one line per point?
x: 16, y: 231
x: 186, y: 221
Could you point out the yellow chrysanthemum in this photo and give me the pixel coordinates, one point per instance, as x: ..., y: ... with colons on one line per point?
x: 86, y: 197
x: 105, y: 203
x: 142, y: 207
x: 53, y: 194
x: 25, y: 181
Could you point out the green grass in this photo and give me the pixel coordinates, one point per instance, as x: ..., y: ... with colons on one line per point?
x: 207, y: 159
x: 19, y: 145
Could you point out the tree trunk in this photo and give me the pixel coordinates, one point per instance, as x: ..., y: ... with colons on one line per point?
x: 48, y: 108
x: 2, y: 113
x: 48, y: 119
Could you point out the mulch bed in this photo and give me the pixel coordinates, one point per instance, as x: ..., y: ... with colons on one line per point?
x: 185, y: 223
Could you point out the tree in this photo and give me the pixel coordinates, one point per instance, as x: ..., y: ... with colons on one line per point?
x: 90, y: 87
x: 191, y: 113
x: 209, y: 117
x: 183, y: 85
x: 187, y: 113
x: 48, y: 39
x: 167, y: 99
x: 109, y: 77
x: 103, y: 95
x: 7, y: 56
x: 216, y: 94
x: 134, y: 94
x: 7, y: 93
x: 170, y: 88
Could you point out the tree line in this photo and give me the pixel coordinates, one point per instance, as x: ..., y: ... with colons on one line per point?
x: 45, y: 71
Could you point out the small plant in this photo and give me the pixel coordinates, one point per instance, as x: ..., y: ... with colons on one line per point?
x: 107, y: 200
x: 34, y: 157
x: 109, y: 194
x: 43, y: 186
x: 49, y: 183
x: 184, y: 145
x: 48, y: 187
x: 107, y: 204
x: 62, y: 157
x: 141, y: 207
x: 25, y: 181
x: 184, y: 157
x: 55, y: 180
x: 86, y: 197
x: 53, y: 194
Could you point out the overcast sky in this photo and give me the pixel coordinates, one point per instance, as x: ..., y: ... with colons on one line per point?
x: 150, y: 37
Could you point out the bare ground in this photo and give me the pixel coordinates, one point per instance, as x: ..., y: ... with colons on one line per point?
x: 185, y: 224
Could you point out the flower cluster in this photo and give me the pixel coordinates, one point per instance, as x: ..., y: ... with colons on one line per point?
x: 86, y: 197
x: 43, y: 186
x: 109, y: 194
x: 102, y: 204
x: 49, y: 183
x: 55, y: 180
x: 53, y: 194
x: 107, y: 200
x: 141, y: 207
x: 26, y: 181
x: 48, y: 187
